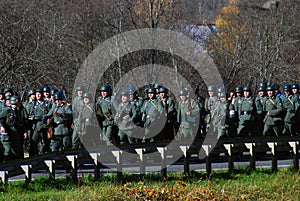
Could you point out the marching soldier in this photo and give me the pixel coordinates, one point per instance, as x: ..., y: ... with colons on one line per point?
x: 260, y: 100
x: 125, y: 119
x: 247, y: 114
x: 60, y: 119
x: 152, y: 111
x: 170, y: 112
x: 187, y: 115
x: 209, y: 104
x: 86, y: 121
x: 105, y: 114
x: 77, y: 107
x: 273, y: 111
x: 289, y: 107
x: 13, y: 129
x: 137, y: 101
x: 47, y: 97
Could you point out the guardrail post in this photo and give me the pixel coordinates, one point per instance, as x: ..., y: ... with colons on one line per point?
x: 4, y: 177
x: 27, y: 170
x: 51, y: 167
x: 273, y: 147
x: 162, y: 151
x: 207, y: 149
x: 96, y: 158
x: 295, y: 147
x: 140, y: 152
x: 251, y: 147
x: 118, y: 155
x: 229, y: 147
x: 73, y: 160
x: 186, y: 163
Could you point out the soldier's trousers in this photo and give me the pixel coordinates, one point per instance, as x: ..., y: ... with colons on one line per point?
x: 268, y: 129
x: 60, y: 141
x: 288, y: 129
x: 76, y: 142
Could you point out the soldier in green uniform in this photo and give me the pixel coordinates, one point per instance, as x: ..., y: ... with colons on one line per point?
x: 47, y: 97
x: 273, y: 113
x: 138, y: 104
x: 38, y: 137
x: 247, y: 113
x: 259, y: 104
x: 2, y: 102
x: 170, y: 113
x: 13, y: 129
x: 8, y: 91
x: 289, y: 107
x: 222, y: 116
x: 105, y: 113
x: 77, y: 107
x: 188, y: 113
x: 60, y: 117
x: 125, y: 119
x: 152, y: 111
x: 86, y: 121
x: 209, y: 104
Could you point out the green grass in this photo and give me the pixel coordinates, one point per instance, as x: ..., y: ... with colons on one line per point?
x: 241, y: 184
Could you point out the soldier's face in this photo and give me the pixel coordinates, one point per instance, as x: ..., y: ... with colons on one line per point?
x: 246, y: 94
x: 286, y: 93
x: 58, y: 102
x: 124, y: 99
x: 294, y: 91
x: 1, y: 96
x: 223, y: 99
x: 46, y: 94
x: 261, y: 93
x: 79, y: 93
x: 38, y: 96
x: 151, y: 95
x: 131, y: 96
x: 270, y: 93
x: 182, y: 98
x: 32, y: 97
x: 14, y: 106
x: 211, y: 93
x: 7, y: 102
x: 86, y: 100
x: 103, y: 94
x: 163, y: 95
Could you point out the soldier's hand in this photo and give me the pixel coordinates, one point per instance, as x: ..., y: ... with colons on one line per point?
x: 126, y: 117
x: 25, y: 135
x: 2, y: 129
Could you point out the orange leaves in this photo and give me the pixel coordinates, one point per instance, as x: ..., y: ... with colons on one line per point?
x: 178, y: 191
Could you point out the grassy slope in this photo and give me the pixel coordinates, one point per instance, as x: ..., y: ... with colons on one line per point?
x: 241, y: 185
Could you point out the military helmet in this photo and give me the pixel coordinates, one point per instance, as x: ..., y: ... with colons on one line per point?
x: 163, y: 90
x: 287, y: 87
x: 221, y: 89
x: 87, y: 95
x: 238, y: 89
x: 53, y: 91
x: 46, y: 89
x: 269, y: 88
x: 7, y: 97
x: 31, y: 92
x: 263, y: 84
x: 8, y: 89
x: 246, y: 88
x: 38, y: 90
x: 156, y: 86
x: 124, y: 93
x: 276, y: 86
x: 132, y: 92
x: 106, y: 87
x: 151, y: 90
x: 14, y: 100
x: 58, y: 96
x: 261, y: 88
x: 222, y: 95
x: 210, y: 88
x: 79, y: 88
x: 295, y: 86
x: 183, y: 92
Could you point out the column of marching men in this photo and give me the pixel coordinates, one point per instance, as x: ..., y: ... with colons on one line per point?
x: 46, y: 122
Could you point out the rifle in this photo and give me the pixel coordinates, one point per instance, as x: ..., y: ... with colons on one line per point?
x: 49, y: 121
x: 23, y: 93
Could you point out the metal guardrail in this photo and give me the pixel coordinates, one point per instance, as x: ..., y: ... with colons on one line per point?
x: 71, y: 159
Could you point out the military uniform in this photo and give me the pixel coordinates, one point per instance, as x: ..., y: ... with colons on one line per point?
x: 259, y: 104
x: 247, y: 114
x: 61, y: 123
x: 188, y: 114
x: 152, y: 111
x: 126, y: 117
x: 273, y: 114
x: 138, y: 102
x: 13, y: 120
x: 105, y: 114
x: 289, y: 107
x: 209, y: 105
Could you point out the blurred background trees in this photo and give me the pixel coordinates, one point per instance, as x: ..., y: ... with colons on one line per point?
x: 46, y: 41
